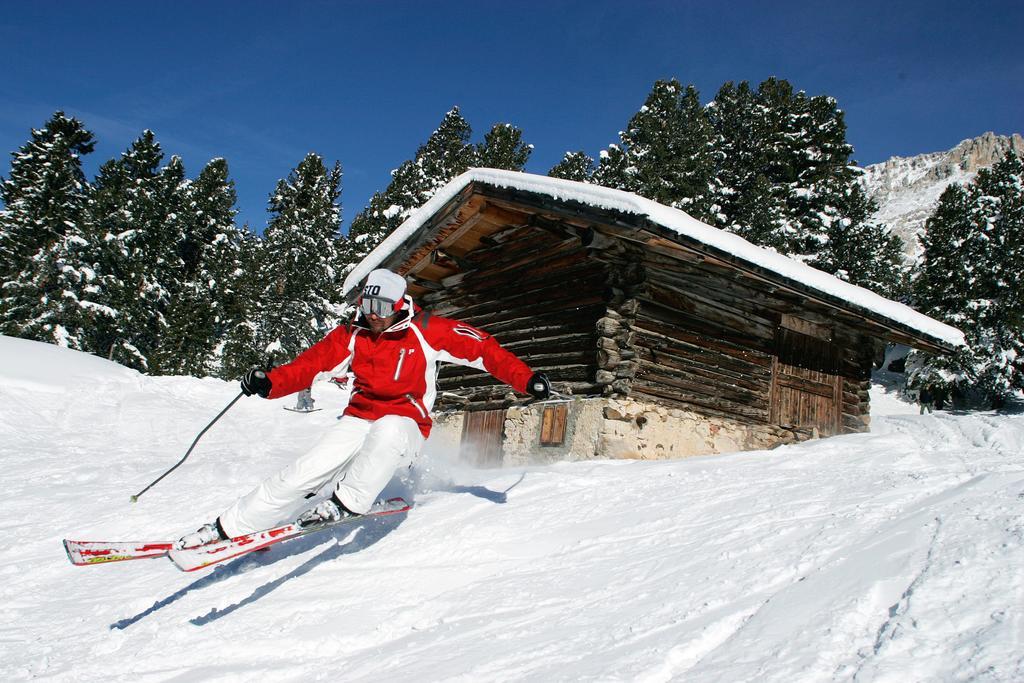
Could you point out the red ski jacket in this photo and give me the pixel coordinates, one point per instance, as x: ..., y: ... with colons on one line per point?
x: 395, y: 372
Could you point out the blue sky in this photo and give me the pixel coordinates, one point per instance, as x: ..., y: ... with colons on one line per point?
x: 262, y: 83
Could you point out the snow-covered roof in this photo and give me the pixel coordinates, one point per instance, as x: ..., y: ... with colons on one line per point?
x: 672, y: 219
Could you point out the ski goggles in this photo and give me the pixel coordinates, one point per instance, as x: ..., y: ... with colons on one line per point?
x: 378, y: 306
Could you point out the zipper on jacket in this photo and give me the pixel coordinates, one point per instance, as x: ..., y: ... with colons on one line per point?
x: 416, y: 405
x: 398, y: 369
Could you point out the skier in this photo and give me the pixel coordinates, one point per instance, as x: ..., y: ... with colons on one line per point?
x: 304, y: 401
x: 926, y: 399
x: 391, y: 351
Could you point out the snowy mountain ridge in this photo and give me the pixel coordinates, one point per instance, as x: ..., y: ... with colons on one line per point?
x: 907, y: 189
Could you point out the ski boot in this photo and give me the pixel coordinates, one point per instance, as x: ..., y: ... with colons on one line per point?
x: 207, y: 533
x: 330, y: 510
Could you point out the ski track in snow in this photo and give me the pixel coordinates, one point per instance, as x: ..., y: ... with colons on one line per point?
x: 889, y: 556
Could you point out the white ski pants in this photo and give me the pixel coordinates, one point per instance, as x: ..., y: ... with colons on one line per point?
x: 360, y: 455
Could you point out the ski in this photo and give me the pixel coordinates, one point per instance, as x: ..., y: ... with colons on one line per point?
x: 85, y: 553
x: 298, y: 410
x: 200, y: 557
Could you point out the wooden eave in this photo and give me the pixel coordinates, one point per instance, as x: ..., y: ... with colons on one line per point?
x: 434, y: 252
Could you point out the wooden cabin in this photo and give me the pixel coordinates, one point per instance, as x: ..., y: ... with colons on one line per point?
x: 671, y: 337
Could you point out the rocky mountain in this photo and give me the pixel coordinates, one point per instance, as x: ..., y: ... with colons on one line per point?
x: 908, y: 188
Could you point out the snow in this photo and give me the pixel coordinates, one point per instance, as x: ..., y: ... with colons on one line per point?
x: 889, y: 556
x: 670, y: 218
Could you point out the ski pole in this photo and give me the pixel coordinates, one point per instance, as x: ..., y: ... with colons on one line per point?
x: 135, y: 498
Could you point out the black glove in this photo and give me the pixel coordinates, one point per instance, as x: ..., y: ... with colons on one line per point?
x: 256, y: 382
x: 539, y: 387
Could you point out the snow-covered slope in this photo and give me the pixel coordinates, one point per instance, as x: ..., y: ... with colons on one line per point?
x: 907, y: 189
x: 893, y: 555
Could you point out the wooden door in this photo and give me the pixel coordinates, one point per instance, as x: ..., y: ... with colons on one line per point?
x: 482, y: 438
x: 806, y: 385
x: 552, y: 425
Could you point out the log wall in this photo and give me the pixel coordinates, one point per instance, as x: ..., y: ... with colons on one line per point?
x: 700, y: 336
x: 537, y: 293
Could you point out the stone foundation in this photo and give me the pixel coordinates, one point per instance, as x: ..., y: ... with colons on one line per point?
x: 618, y: 428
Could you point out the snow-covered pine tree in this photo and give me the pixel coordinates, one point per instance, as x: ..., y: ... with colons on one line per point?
x: 612, y: 166
x: 760, y: 137
x: 138, y: 207
x: 578, y: 166
x: 829, y: 208
x: 950, y: 246
x: 786, y: 182
x: 996, y: 332
x: 697, y: 161
x: 666, y: 151
x: 945, y: 286
x: 1003, y: 207
x: 197, y: 315
x: 45, y: 189
x: 861, y: 251
x: 970, y: 277
x: 503, y: 147
x: 45, y: 251
x: 446, y: 154
x: 743, y: 194
x: 239, y: 349
x: 302, y: 265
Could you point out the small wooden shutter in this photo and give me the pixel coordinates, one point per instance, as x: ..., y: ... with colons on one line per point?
x: 806, y: 385
x: 552, y: 425
x: 482, y: 433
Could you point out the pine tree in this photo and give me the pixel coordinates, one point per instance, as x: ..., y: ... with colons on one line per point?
x: 302, y: 265
x: 51, y: 299
x: 863, y: 252
x: 944, y: 287
x: 950, y: 247
x: 827, y: 200
x: 503, y: 148
x: 999, y: 330
x: 786, y: 182
x: 197, y: 316
x: 45, y: 252
x: 446, y: 154
x: 612, y: 168
x: 739, y: 168
x: 696, y: 161
x: 44, y: 191
x: 759, y: 215
x: 239, y: 348
x: 576, y: 166
x: 760, y: 137
x: 139, y: 208
x: 970, y: 277
x: 667, y: 152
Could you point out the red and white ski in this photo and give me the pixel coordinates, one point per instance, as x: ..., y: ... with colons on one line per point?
x: 200, y: 557
x: 85, y: 553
